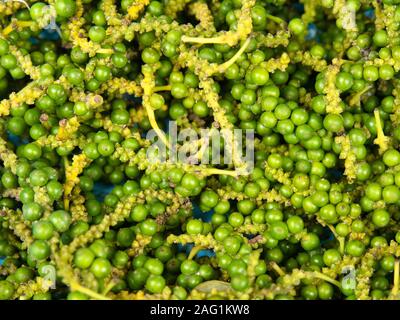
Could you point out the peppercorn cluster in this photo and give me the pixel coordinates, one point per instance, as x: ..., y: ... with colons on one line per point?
x: 83, y: 82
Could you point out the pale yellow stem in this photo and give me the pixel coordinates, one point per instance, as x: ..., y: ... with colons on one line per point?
x: 77, y: 287
x: 162, y: 88
x: 276, y: 19
x: 216, y: 40
x: 154, y: 125
x: 109, y: 287
x: 396, y: 273
x: 66, y: 199
x: 355, y: 99
x: 105, y: 51
x: 381, y: 140
x: 232, y: 60
x: 277, y: 268
x: 194, y: 251
x: 15, y: 25
x: 326, y: 278
x: 338, y: 238
x: 211, y: 171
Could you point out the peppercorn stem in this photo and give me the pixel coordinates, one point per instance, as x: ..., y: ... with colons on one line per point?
x: 381, y: 140
x: 322, y: 276
x: 66, y: 199
x: 195, y: 250
x: 109, y: 287
x: 202, y: 40
x: 77, y: 287
x: 341, y: 240
x: 154, y: 125
x: 276, y: 19
x: 232, y: 60
x: 396, y: 279
x: 162, y: 88
x: 17, y: 24
x: 355, y: 99
x: 105, y: 51
x: 341, y: 244
x: 211, y: 171
x: 277, y: 268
